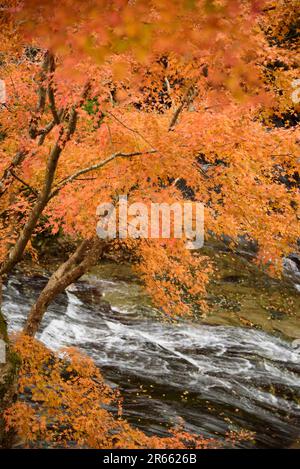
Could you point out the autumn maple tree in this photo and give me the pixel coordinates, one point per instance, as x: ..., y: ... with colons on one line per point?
x: 163, y: 101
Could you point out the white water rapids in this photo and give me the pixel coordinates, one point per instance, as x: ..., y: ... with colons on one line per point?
x: 214, y: 377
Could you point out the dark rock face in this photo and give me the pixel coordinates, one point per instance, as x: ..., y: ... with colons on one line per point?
x: 90, y: 294
x: 291, y: 267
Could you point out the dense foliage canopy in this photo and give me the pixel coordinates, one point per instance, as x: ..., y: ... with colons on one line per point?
x: 164, y: 101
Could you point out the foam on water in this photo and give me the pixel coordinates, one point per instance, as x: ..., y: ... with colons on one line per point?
x: 247, y: 375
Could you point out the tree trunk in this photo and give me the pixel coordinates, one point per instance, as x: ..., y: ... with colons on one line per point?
x: 86, y: 255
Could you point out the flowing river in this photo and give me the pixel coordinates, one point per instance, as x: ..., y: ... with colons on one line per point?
x: 215, y: 378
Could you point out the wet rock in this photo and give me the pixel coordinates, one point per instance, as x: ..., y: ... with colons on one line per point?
x: 232, y: 279
x: 90, y: 294
x: 291, y: 268
x: 278, y: 315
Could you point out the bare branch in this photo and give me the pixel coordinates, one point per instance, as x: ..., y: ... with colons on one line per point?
x: 129, y: 128
x: 42, y: 89
x: 169, y: 90
x: 34, y: 191
x: 189, y: 96
x: 96, y: 166
x: 7, y: 179
x: 51, y: 93
x: 42, y: 93
x: 53, y: 105
x: 44, y: 132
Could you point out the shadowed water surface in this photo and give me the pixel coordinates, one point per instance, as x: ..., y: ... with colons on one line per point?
x: 214, y: 377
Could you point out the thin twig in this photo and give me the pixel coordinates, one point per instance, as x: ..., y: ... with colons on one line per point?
x: 94, y: 167
x: 34, y: 191
x: 129, y: 128
x: 187, y: 99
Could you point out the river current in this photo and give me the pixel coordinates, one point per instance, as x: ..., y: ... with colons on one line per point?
x: 215, y: 378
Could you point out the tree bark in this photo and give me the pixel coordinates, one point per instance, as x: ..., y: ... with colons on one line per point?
x: 86, y: 255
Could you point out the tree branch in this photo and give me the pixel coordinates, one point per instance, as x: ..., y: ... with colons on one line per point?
x: 94, y: 167
x: 42, y: 93
x: 34, y: 191
x: 128, y: 128
x: 6, y: 179
x: 17, y: 250
x: 86, y: 255
x: 51, y: 93
x: 189, y: 96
